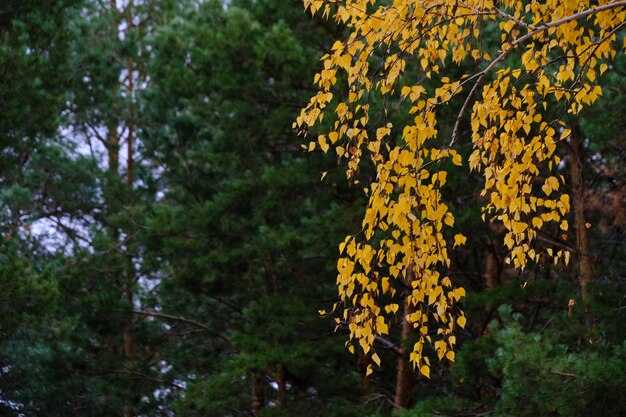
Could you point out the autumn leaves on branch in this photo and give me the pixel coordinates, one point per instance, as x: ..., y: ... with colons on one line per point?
x: 522, y: 91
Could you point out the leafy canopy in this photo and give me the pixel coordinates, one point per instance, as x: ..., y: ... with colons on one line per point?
x: 521, y: 92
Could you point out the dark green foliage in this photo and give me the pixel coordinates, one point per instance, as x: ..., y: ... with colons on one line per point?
x: 229, y: 238
x: 245, y: 231
x: 33, y: 56
x: 534, y: 361
x: 564, y: 382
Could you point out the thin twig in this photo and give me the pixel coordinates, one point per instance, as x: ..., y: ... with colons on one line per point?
x: 567, y: 374
x: 150, y: 313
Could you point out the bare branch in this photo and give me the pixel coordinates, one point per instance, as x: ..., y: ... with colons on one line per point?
x: 156, y: 314
x: 514, y: 19
x: 567, y: 374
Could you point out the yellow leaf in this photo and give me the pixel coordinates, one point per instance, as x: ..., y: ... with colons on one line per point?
x: 338, y: 45
x: 518, y: 227
x: 381, y: 132
x: 393, y: 308
x: 458, y: 293
x: 344, y: 61
x: 459, y: 239
x: 507, y: 26
x: 425, y: 370
x: 385, y: 285
x: 323, y: 145
x: 604, y: 66
x: 381, y: 326
x: 376, y: 359
x: 591, y: 75
x: 364, y: 345
x: 461, y: 321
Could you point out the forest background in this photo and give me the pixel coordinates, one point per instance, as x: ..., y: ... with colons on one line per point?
x: 167, y: 245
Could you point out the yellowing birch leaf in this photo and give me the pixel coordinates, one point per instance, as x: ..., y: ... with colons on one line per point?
x: 393, y: 308
x: 376, y: 359
x: 385, y: 285
x: 323, y: 144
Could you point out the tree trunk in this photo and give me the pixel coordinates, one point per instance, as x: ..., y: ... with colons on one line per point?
x: 492, y: 269
x: 129, y: 337
x: 130, y: 122
x: 129, y: 343
x: 361, y: 366
x: 281, y: 380
x: 113, y: 148
x: 405, y: 377
x: 585, y: 263
x: 258, y: 393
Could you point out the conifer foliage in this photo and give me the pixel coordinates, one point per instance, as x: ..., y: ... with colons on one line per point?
x: 167, y: 247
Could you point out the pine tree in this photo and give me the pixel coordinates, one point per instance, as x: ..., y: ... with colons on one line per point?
x: 242, y: 233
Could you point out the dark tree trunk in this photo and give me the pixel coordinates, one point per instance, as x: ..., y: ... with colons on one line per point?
x: 405, y: 376
x: 492, y: 268
x: 281, y: 380
x: 585, y: 262
x: 258, y: 394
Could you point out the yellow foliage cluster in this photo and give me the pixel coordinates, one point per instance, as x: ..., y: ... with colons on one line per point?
x: 549, y: 49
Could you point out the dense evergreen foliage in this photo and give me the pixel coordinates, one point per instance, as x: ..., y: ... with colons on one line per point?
x: 167, y: 245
